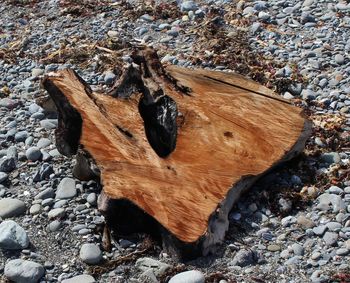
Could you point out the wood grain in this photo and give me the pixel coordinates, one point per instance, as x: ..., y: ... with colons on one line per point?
x: 229, y: 128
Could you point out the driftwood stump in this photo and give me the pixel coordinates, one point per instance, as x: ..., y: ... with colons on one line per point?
x: 175, y: 147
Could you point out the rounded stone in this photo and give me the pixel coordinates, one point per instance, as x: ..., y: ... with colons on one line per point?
x: 10, y: 207
x: 66, y: 189
x: 33, y: 153
x: 24, y: 271
x: 192, y: 276
x: 12, y: 236
x: 90, y: 254
x: 84, y: 278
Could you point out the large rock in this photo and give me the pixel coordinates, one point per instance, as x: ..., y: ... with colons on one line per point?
x: 84, y: 278
x: 90, y: 254
x: 24, y: 271
x: 146, y: 263
x: 10, y: 207
x: 192, y: 276
x: 66, y: 189
x: 12, y: 236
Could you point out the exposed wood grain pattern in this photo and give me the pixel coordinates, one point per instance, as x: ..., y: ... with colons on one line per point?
x: 229, y: 128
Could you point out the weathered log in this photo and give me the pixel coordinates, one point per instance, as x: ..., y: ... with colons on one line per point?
x: 175, y: 147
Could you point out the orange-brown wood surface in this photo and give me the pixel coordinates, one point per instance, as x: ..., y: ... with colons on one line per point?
x: 228, y: 128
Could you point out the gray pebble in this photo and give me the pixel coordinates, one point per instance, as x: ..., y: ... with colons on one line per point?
x: 33, y: 153
x: 24, y: 271
x: 192, y: 276
x: 12, y: 236
x: 66, y: 189
x: 10, y: 207
x: 90, y: 254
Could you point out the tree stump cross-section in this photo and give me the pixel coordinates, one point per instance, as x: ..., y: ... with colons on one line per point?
x: 177, y: 145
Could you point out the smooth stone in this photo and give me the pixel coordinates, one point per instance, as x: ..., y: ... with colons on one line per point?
x: 333, y: 199
x: 146, y: 263
x: 188, y: 6
x: 3, y: 177
x: 66, y: 189
x: 90, y: 254
x: 37, y: 72
x: 330, y: 157
x: 148, y: 277
x: 92, y: 199
x: 24, y: 271
x: 7, y: 164
x: 84, y: 278
x: 48, y: 124
x: 47, y: 193
x: 334, y: 190
x: 43, y: 142
x: 305, y: 222
x: 10, y: 207
x: 56, y: 213
x: 273, y: 248
x: 109, y: 78
x: 339, y: 59
x: 21, y: 136
x: 330, y: 238
x: 54, y: 226
x: 298, y: 249
x: 35, y: 209
x: 33, y: 153
x: 244, y: 258
x: 342, y: 251
x: 334, y: 226
x: 320, y: 230
x: 192, y: 276
x: 9, y: 103
x: 13, y: 236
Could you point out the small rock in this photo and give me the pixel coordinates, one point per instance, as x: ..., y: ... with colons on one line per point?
x: 92, y: 199
x: 66, y: 189
x: 56, y: 213
x: 90, y: 254
x: 109, y: 78
x: 33, y: 153
x: 84, y: 278
x: 47, y: 193
x: 7, y: 164
x: 339, y: 59
x: 10, y: 207
x: 273, y: 248
x: 188, y: 6
x: 54, y: 226
x: 192, y: 276
x: 12, y: 236
x: 24, y: 271
x: 320, y: 230
x: 305, y: 222
x: 43, y: 142
x: 330, y: 157
x: 35, y: 209
x: 330, y: 238
x: 146, y: 263
x: 298, y: 249
x: 37, y: 72
x: 244, y: 258
x: 342, y: 251
x: 3, y: 177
